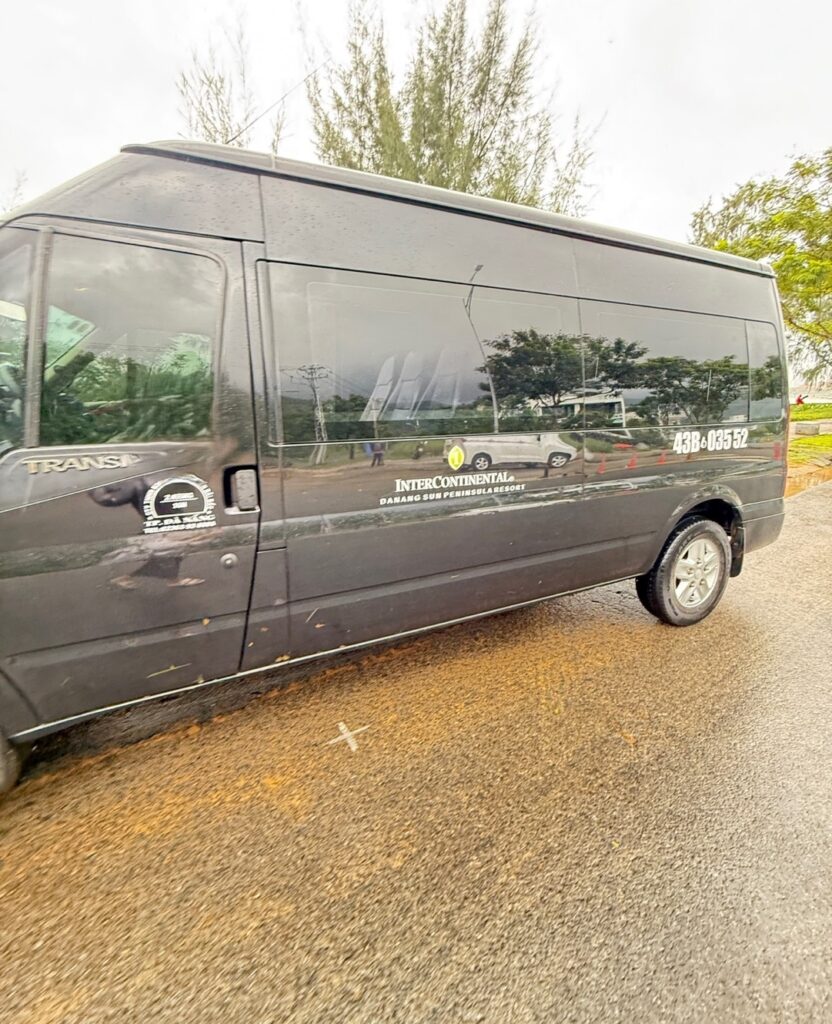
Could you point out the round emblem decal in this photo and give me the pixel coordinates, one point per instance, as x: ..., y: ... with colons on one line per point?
x: 179, y: 503
x: 456, y: 457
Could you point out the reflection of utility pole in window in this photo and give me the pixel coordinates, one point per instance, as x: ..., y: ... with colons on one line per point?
x: 380, y: 395
x: 468, y: 302
x: 311, y: 374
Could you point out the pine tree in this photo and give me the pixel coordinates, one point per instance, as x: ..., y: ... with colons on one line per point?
x: 465, y: 116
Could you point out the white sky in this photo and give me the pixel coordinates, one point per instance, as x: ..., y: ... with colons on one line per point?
x: 695, y: 95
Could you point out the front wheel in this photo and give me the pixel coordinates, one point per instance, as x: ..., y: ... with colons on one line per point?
x: 557, y: 460
x: 690, y: 575
x: 11, y: 761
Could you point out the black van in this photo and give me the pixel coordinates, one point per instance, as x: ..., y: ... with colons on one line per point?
x: 254, y: 411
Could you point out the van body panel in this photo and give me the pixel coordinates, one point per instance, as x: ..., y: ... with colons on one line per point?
x: 335, y: 621
x: 267, y: 634
x: 307, y: 223
x: 646, y: 279
x: 763, y: 531
x: 135, y: 190
x: 16, y: 713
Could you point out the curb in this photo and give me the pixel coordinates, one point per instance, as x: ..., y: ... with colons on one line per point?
x: 804, y: 477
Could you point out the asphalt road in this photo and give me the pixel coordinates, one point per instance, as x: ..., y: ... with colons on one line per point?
x: 567, y: 813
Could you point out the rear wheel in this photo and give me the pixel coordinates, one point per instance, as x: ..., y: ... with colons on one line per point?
x: 643, y: 592
x: 690, y: 575
x: 481, y: 462
x: 11, y: 761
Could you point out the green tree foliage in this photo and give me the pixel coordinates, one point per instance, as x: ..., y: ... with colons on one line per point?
x: 465, y: 116
x: 788, y: 223
x: 702, y: 390
x: 612, y: 365
x: 14, y: 196
x: 215, y: 92
x: 107, y: 399
x: 527, y: 366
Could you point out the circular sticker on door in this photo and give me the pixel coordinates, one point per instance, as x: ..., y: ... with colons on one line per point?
x: 179, y: 503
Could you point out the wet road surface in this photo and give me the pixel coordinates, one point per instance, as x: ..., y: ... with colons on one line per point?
x: 566, y: 813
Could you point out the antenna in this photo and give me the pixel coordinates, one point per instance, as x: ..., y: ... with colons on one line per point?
x: 278, y: 101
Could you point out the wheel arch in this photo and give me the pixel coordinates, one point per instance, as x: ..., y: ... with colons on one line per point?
x: 720, y: 504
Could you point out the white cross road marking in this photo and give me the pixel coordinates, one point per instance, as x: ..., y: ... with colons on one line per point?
x: 348, y: 735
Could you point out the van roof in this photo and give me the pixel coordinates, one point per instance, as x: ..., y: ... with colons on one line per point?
x: 375, y: 184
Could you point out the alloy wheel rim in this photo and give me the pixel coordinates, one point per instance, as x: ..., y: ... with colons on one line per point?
x: 697, y: 572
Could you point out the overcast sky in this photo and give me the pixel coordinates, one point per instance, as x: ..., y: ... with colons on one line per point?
x: 694, y: 95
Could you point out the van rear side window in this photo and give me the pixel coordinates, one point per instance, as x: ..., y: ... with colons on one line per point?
x: 767, y: 389
x: 664, y: 368
x: 130, y: 338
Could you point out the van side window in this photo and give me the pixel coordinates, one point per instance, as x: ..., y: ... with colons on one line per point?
x: 364, y: 356
x: 130, y: 336
x: 16, y: 252
x: 652, y: 367
x: 766, y: 372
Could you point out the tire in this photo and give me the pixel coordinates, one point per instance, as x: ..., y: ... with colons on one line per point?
x: 557, y: 460
x: 643, y: 592
x: 481, y: 462
x: 11, y: 761
x: 684, y: 594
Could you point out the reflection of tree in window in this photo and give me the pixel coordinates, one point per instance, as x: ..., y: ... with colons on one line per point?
x: 700, y: 391
x: 128, y: 346
x: 767, y: 385
x: 668, y: 368
x: 15, y: 263
x: 532, y: 372
x: 539, y: 375
x: 767, y: 380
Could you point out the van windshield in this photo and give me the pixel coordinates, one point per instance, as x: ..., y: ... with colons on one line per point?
x: 15, y: 276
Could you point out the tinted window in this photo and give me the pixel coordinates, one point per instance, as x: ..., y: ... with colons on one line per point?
x: 657, y: 367
x: 766, y: 372
x: 15, y: 264
x: 365, y: 356
x: 533, y: 358
x: 129, y: 340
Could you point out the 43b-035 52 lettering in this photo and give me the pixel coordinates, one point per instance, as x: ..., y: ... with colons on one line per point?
x: 687, y: 442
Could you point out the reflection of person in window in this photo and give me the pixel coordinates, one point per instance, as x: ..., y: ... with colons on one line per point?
x: 161, y: 565
x: 377, y: 448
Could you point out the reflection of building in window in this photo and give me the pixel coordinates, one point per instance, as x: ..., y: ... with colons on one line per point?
x: 606, y: 404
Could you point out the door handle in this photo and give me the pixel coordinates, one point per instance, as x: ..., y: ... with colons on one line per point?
x: 241, y: 490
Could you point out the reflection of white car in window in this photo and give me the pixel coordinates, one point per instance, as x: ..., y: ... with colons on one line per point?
x: 486, y: 450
